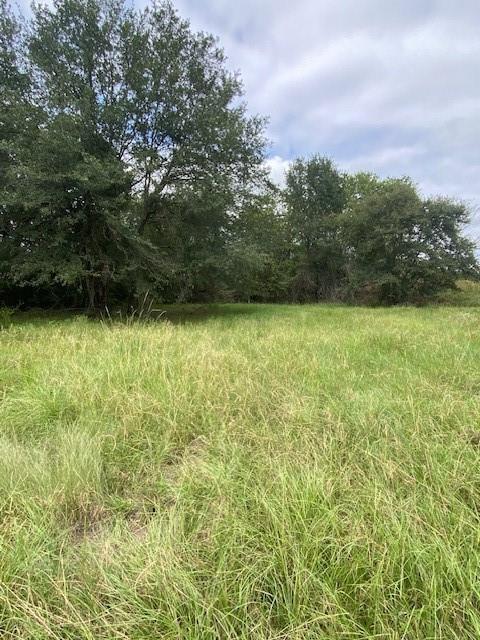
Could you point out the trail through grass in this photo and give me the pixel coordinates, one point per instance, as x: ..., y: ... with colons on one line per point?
x: 242, y: 471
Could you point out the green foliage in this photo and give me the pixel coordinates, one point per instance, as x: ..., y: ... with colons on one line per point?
x: 314, y: 197
x: 258, y: 251
x: 466, y: 293
x: 401, y: 248
x: 132, y: 111
x: 128, y: 163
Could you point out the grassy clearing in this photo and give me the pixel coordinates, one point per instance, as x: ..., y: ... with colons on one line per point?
x: 242, y: 472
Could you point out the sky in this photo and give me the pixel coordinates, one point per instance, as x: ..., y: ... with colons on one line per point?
x: 388, y: 86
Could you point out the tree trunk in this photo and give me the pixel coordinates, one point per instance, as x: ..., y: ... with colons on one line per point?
x: 90, y: 288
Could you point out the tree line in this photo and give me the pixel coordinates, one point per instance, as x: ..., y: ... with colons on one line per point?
x: 129, y: 163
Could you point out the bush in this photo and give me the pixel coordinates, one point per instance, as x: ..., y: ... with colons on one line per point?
x: 466, y: 293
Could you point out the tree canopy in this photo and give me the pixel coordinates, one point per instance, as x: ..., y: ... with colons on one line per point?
x: 129, y: 162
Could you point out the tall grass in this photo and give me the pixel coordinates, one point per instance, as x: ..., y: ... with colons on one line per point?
x: 242, y: 472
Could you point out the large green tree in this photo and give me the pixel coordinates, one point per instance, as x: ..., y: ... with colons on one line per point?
x: 136, y: 111
x: 19, y: 121
x: 189, y: 123
x: 400, y: 248
x: 258, y: 265
x: 314, y: 197
x: 67, y: 186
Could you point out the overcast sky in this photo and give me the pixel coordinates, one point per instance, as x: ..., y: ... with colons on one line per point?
x: 390, y: 86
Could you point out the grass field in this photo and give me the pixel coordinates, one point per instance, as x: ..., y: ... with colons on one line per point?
x: 242, y: 471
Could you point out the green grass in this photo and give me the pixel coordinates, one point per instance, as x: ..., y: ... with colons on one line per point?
x: 241, y: 471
